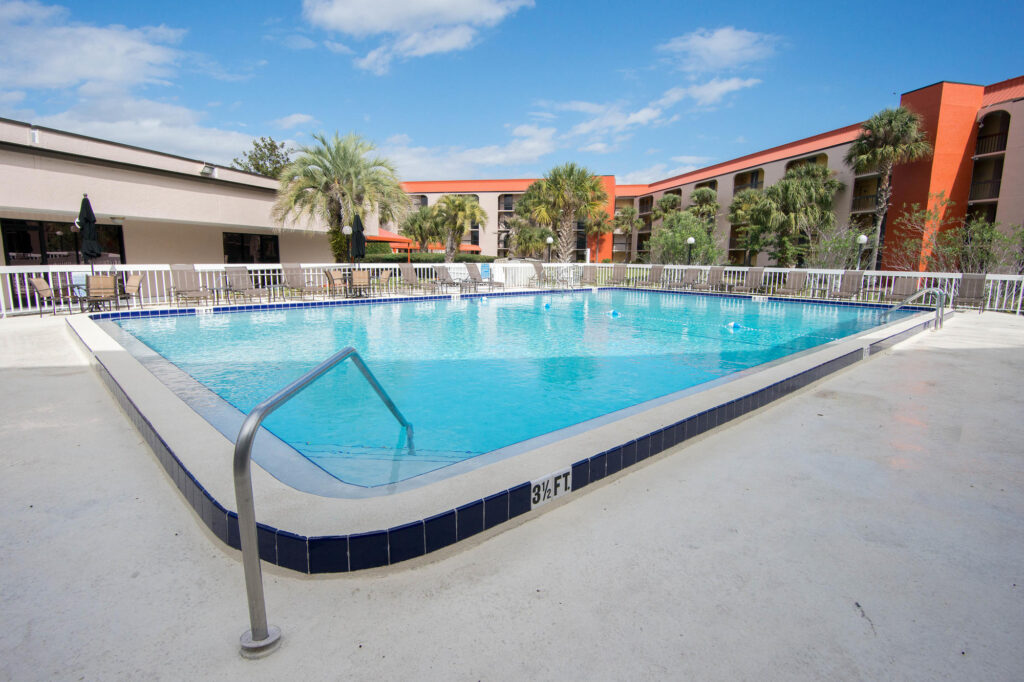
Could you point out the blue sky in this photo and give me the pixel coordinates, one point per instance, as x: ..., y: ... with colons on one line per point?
x: 453, y: 89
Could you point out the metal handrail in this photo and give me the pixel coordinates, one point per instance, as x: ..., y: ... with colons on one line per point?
x: 939, y: 309
x: 261, y: 638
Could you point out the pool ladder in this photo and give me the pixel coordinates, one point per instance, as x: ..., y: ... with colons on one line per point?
x: 939, y: 309
x: 261, y: 638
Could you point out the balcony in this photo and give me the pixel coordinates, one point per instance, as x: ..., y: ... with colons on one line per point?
x: 985, y: 189
x: 865, y: 202
x: 990, y: 144
x: 750, y: 185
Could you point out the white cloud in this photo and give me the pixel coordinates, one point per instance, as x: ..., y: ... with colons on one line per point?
x: 658, y: 171
x: 292, y: 120
x: 41, y: 50
x: 409, y: 28
x: 297, y: 42
x: 713, y: 91
x: 720, y: 49
x: 337, y: 48
x: 529, y: 143
x: 597, y: 148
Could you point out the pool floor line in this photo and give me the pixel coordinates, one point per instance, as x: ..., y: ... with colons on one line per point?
x: 418, y: 537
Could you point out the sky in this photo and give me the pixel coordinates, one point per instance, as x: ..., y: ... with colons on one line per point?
x: 464, y: 89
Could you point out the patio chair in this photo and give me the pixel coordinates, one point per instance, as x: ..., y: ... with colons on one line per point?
x: 752, y: 283
x: 796, y: 283
x: 48, y: 297
x: 99, y: 290
x: 542, y: 277
x: 971, y: 291
x: 360, y: 283
x: 185, y: 284
x: 445, y: 280
x: 901, y: 288
x: 132, y: 289
x: 651, y: 278
x: 618, y: 275
x: 689, y: 279
x: 337, y: 284
x: 238, y: 283
x: 477, y: 278
x: 384, y: 282
x: 295, y: 284
x: 851, y: 284
x: 714, y: 281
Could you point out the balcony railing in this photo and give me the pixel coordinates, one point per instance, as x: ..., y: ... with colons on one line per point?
x: 988, y: 144
x: 749, y: 185
x: 985, y: 189
x: 865, y: 202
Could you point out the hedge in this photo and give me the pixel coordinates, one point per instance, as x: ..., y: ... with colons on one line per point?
x: 417, y: 257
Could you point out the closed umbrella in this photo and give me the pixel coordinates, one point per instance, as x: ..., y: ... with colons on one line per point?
x: 87, y: 224
x: 358, y: 239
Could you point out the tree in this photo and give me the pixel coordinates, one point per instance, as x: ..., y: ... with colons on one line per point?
x: 566, y: 195
x: 423, y: 226
x: 796, y: 209
x: 457, y: 213
x: 668, y: 203
x: 628, y: 220
x: 704, y: 205
x: 744, y: 214
x: 668, y: 244
x: 526, y: 239
x: 335, y: 180
x: 267, y: 157
x: 889, y: 138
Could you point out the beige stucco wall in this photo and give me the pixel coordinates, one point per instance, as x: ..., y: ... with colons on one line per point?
x: 489, y: 230
x: 1010, y: 209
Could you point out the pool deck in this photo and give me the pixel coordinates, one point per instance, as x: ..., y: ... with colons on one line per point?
x: 867, y: 527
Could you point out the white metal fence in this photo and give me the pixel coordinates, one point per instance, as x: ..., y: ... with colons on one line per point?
x: 1003, y: 292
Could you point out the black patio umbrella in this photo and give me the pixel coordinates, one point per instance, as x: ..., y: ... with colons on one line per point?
x: 87, y: 224
x: 358, y: 244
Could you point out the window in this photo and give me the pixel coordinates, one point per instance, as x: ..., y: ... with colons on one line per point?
x: 251, y: 248
x: 710, y: 184
x: 37, y: 242
x: 646, y: 204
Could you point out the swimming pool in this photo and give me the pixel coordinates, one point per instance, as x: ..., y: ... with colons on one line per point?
x: 477, y: 375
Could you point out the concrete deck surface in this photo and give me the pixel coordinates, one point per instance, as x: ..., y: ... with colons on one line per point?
x: 868, y: 527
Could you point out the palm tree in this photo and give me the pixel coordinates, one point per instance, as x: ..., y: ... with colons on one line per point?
x: 335, y: 180
x: 704, y: 204
x: 796, y: 208
x: 565, y: 196
x: 457, y: 213
x: 422, y: 225
x: 527, y: 240
x: 887, y: 139
x: 743, y: 215
x: 667, y: 204
x: 628, y: 220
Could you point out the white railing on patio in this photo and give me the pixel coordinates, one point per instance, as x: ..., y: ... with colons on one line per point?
x: 1004, y: 292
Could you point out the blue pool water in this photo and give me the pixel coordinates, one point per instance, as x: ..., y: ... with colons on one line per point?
x: 476, y: 375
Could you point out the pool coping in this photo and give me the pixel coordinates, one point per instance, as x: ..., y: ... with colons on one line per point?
x: 303, y: 532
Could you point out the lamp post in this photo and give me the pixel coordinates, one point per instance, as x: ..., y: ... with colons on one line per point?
x: 550, y: 241
x: 689, y: 249
x: 861, y: 241
x: 347, y: 231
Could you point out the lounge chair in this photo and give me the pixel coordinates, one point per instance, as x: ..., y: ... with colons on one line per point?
x: 185, y: 284
x: 99, y: 290
x: 477, y: 278
x: 48, y: 297
x: 714, y: 281
x: 618, y: 275
x: 410, y: 280
x: 295, y: 283
x: 689, y: 279
x: 238, y: 283
x: 542, y: 277
x: 901, y: 288
x: 851, y: 284
x: 588, y: 276
x: 752, y: 283
x: 796, y: 283
x: 445, y: 280
x: 971, y: 291
x: 652, y: 278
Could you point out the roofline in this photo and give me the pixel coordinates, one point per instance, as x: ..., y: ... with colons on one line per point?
x: 33, y: 126
x: 925, y: 87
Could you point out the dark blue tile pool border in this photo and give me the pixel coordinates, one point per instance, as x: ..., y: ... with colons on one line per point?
x: 343, y: 553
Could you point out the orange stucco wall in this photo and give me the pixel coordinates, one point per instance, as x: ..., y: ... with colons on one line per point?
x: 948, y: 112
x: 601, y: 244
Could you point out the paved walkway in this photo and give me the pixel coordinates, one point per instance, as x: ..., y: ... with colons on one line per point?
x: 869, y: 527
